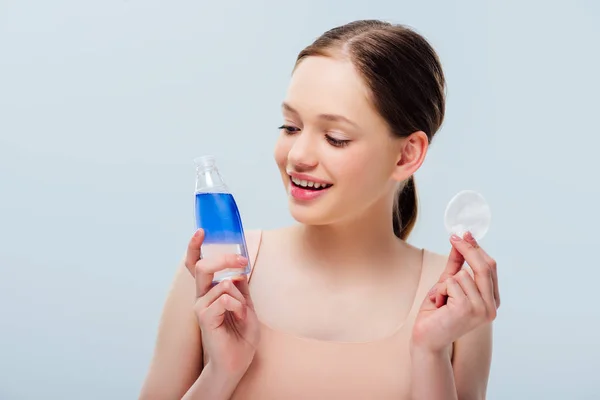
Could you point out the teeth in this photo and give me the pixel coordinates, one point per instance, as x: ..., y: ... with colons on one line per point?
x: 304, y: 183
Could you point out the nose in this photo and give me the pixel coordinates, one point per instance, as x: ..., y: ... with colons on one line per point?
x: 303, y: 153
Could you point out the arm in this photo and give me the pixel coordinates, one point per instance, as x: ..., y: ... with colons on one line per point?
x: 212, y: 385
x: 432, y: 375
x: 177, y: 368
x: 472, y: 362
x: 461, y: 376
x: 177, y: 360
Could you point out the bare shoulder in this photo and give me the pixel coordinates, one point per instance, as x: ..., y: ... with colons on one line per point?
x: 177, y: 359
x: 276, y: 237
x: 433, y: 263
x: 253, y: 238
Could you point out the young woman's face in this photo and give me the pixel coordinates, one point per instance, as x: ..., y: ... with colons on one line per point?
x: 336, y: 154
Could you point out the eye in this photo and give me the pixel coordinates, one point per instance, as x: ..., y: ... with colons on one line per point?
x: 290, y: 130
x: 337, y: 142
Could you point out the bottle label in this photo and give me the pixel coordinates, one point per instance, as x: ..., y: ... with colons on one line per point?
x: 213, y: 250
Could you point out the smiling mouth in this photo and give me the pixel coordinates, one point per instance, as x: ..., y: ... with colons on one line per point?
x: 308, y: 185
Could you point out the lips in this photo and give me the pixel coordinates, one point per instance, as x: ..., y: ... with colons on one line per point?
x: 306, y: 190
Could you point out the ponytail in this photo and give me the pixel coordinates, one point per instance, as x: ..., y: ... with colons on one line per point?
x: 405, y: 209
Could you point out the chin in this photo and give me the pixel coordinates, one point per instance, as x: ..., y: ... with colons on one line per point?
x: 313, y: 214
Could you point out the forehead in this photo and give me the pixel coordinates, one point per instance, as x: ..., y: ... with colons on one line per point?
x: 330, y: 85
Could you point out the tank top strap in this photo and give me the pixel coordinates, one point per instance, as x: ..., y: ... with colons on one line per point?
x: 253, y: 241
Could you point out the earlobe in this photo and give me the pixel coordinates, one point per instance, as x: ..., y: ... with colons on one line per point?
x: 412, y: 152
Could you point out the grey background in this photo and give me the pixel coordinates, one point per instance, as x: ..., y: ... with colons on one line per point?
x: 104, y: 104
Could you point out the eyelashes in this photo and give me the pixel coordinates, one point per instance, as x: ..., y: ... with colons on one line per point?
x: 337, y: 142
x: 290, y: 130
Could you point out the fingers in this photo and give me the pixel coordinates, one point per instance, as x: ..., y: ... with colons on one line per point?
x: 455, y: 291
x: 481, y: 269
x: 193, y: 251
x: 491, y: 262
x: 467, y: 298
x: 224, y: 287
x: 437, y: 295
x: 206, y: 268
x: 243, y: 287
x: 442, y: 295
x: 468, y: 286
x: 454, y: 264
x: 213, y: 316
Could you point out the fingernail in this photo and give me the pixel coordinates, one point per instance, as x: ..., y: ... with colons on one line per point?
x: 242, y: 260
x: 455, y: 238
x: 197, y: 233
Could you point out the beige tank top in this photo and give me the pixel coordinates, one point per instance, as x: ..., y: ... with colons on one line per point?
x: 287, y: 367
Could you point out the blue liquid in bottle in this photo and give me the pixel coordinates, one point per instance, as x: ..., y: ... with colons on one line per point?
x: 218, y: 215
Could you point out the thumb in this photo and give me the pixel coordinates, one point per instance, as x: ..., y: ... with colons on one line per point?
x: 439, y: 294
x: 453, y: 265
x: 192, y: 254
x: 242, y: 285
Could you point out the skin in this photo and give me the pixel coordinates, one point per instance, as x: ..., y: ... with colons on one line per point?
x: 328, y: 259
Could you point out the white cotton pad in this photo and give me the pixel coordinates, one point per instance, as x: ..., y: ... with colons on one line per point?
x: 468, y: 211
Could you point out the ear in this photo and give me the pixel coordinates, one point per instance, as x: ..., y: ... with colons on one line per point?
x: 411, y: 154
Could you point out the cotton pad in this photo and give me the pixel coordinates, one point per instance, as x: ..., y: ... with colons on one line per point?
x: 468, y: 211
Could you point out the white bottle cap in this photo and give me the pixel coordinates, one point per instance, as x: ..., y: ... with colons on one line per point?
x: 466, y: 212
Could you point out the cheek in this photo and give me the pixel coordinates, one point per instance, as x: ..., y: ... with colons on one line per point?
x: 365, y: 171
x: 281, y: 151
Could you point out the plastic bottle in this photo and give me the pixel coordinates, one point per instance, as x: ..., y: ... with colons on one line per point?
x: 218, y: 215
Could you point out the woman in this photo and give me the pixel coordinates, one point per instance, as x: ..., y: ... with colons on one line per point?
x: 339, y: 306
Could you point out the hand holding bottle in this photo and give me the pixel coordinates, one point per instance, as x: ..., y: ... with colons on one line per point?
x: 230, y: 328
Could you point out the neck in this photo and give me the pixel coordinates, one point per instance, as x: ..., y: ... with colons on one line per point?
x: 353, y: 244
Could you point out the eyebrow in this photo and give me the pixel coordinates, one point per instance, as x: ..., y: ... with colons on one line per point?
x: 326, y: 117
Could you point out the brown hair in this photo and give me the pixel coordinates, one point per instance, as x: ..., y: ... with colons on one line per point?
x: 406, y: 81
